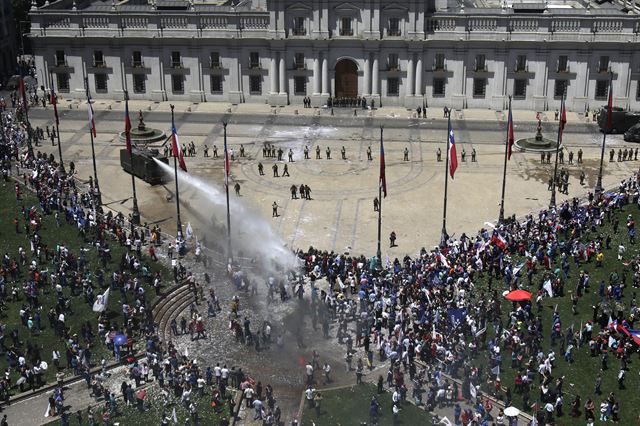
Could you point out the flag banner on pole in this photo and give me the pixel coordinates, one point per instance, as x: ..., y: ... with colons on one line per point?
x: 227, y: 164
x: 383, y: 175
x: 563, y: 119
x: 453, y: 156
x: 127, y: 127
x: 23, y: 91
x: 610, y: 105
x: 510, y: 136
x: 53, y: 100
x: 175, y: 146
x: 92, y: 123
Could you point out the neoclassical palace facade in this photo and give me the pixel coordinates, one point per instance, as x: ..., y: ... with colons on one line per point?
x: 456, y: 53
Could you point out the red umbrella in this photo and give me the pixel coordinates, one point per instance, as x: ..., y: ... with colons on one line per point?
x: 518, y: 295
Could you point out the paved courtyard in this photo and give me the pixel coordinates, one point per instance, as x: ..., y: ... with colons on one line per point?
x: 340, y: 215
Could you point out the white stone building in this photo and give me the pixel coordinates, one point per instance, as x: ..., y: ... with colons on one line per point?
x: 411, y: 53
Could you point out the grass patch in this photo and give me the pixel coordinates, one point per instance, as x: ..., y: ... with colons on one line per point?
x: 350, y: 406
x: 80, y: 311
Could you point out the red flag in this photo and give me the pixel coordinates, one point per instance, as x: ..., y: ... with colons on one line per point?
x: 92, y: 123
x: 453, y: 156
x: 227, y: 165
x: 610, y: 105
x: 175, y: 147
x: 510, y: 137
x: 24, y: 93
x: 53, y: 100
x: 563, y: 119
x: 383, y: 177
x: 127, y: 126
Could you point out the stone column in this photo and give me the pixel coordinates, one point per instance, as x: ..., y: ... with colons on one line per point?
x: 283, y: 75
x: 419, y: 77
x: 410, y: 76
x: 374, y: 77
x: 325, y: 75
x: 367, y: 76
x: 316, y: 76
x: 273, y: 74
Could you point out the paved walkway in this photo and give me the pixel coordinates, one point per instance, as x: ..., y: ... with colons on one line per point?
x: 478, y: 114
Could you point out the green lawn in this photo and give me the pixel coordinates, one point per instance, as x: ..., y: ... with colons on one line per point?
x: 155, y: 409
x: 580, y: 375
x: 350, y: 406
x: 52, y: 235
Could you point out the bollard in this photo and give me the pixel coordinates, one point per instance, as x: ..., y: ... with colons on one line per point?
x: 188, y: 109
x: 295, y: 112
x: 228, y: 110
x: 149, y: 108
x: 109, y: 107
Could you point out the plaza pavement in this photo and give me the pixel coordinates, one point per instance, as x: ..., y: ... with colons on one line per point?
x: 340, y: 215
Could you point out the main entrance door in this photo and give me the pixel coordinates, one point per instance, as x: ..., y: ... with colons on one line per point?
x: 346, y: 79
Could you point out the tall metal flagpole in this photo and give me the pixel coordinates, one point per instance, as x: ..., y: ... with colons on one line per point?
x: 504, y: 170
x: 61, y: 170
x: 552, y: 202
x: 443, y: 236
x: 98, y: 195
x: 379, y: 252
x: 599, y: 188
x: 226, y: 186
x: 135, y: 213
x: 175, y: 172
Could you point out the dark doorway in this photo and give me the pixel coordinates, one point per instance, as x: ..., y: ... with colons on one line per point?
x: 346, y: 79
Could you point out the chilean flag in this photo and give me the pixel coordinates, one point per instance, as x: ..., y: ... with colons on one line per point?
x: 383, y: 176
x: 227, y: 165
x: 453, y: 157
x: 510, y: 137
x: 175, y: 146
x: 499, y: 240
x: 610, y: 105
x: 92, y: 123
x: 53, y: 100
x: 23, y: 91
x: 127, y: 126
x: 634, y: 334
x: 563, y: 118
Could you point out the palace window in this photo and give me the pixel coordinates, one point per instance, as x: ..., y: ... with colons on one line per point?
x: 216, y: 84
x: 439, y: 87
x: 61, y: 60
x: 254, y: 60
x: 345, y: 27
x: 602, y: 89
x: 394, y: 27
x: 438, y: 63
x: 560, y: 89
x: 393, y: 86
x: 101, y: 83
x: 479, y: 87
x: 214, y: 60
x: 98, y: 58
x: 393, y: 63
x: 255, y: 84
x: 63, y: 82
x: 520, y: 88
x: 176, y: 61
x: 300, y: 86
x: 481, y: 63
x: 299, y: 61
x: 136, y: 59
x: 177, y: 83
x: 139, y: 81
x: 521, y: 63
x: 603, y: 64
x: 298, y: 26
x: 563, y: 63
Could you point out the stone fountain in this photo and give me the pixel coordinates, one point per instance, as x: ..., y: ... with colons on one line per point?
x: 143, y: 135
x: 538, y: 143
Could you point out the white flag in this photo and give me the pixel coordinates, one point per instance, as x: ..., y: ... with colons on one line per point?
x: 547, y: 287
x: 101, y: 302
x: 174, y: 416
x: 473, y: 391
x: 189, y: 231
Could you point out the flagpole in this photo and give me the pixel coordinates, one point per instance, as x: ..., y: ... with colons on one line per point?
x: 135, y: 213
x: 443, y: 236
x: 175, y: 172
x: 226, y: 186
x: 599, y: 188
x: 98, y: 195
x: 504, y: 171
x: 552, y: 202
x: 379, y: 252
x: 61, y: 169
